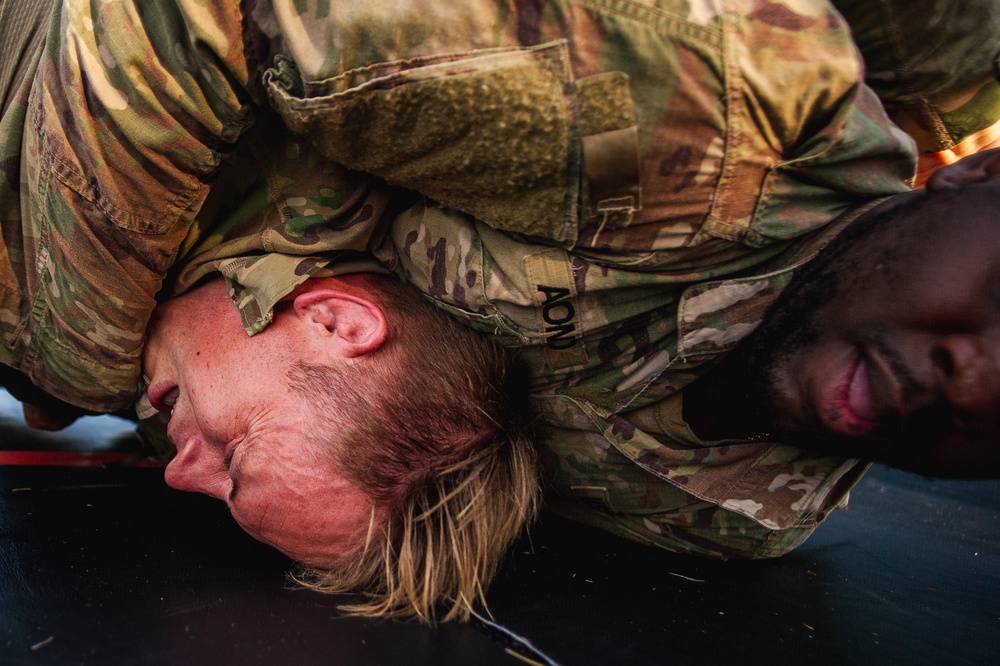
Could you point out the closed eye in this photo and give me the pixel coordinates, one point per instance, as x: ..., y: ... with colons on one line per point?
x: 235, y: 460
x: 233, y: 474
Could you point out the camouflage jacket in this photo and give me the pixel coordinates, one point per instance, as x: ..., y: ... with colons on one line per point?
x: 934, y: 63
x: 618, y: 188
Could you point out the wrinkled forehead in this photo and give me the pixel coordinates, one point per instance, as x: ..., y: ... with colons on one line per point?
x: 947, y: 224
x: 957, y: 230
x: 973, y: 209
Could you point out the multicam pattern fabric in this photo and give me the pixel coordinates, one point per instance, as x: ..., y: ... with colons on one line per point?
x: 936, y: 68
x: 618, y: 188
x: 935, y: 64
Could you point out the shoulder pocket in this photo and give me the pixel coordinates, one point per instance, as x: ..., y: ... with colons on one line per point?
x: 494, y: 133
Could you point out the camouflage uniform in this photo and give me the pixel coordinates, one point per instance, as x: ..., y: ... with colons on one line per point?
x: 934, y: 63
x: 936, y: 66
x: 618, y: 188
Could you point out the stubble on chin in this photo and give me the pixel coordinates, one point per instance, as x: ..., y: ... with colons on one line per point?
x: 768, y: 356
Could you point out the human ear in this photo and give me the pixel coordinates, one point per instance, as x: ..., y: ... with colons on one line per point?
x: 975, y: 168
x: 351, y: 325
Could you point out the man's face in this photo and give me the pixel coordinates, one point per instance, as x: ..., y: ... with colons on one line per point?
x: 891, y: 351
x: 242, y: 435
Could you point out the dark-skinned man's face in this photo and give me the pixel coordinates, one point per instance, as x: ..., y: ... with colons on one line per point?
x: 889, y: 350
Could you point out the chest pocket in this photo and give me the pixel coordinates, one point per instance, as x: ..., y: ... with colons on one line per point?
x: 500, y: 134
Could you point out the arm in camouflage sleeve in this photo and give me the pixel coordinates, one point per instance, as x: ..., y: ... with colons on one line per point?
x: 133, y: 108
x: 934, y: 64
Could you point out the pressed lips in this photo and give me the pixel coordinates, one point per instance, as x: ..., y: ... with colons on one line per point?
x: 847, y: 405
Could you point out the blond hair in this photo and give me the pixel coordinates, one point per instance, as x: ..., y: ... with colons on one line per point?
x: 434, y: 429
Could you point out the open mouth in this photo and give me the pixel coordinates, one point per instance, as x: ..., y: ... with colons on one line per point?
x: 162, y: 396
x: 847, y: 405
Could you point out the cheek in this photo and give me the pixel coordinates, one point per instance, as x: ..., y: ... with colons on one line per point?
x: 252, y: 518
x: 786, y: 374
x: 267, y: 503
x: 310, y: 524
x: 272, y: 520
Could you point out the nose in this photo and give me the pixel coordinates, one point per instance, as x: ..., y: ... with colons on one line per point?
x: 969, y: 380
x: 198, y: 468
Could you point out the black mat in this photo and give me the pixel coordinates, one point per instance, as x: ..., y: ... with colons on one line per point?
x: 109, y: 566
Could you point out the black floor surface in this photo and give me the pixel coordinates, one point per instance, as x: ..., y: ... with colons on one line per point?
x: 109, y: 566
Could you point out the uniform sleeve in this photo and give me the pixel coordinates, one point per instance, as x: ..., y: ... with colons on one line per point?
x: 806, y: 139
x: 933, y: 64
x: 133, y: 109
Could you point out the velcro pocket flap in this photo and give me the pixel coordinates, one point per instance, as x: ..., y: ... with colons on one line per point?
x: 492, y: 133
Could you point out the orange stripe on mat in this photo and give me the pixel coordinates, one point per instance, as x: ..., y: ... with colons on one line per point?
x: 982, y: 140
